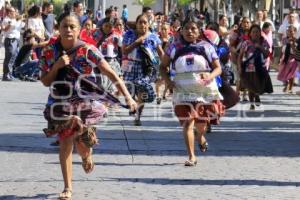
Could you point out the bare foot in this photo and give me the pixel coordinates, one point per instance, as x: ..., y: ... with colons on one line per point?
x: 88, y: 164
x: 66, y: 194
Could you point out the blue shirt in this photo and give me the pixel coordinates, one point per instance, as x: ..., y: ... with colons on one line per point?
x: 125, y: 13
x: 152, y: 41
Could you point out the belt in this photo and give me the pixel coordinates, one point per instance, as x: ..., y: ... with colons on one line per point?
x: 108, y: 59
x: 11, y: 38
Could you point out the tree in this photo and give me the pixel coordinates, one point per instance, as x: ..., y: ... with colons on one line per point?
x: 58, y: 6
x: 185, y: 2
x: 145, y: 2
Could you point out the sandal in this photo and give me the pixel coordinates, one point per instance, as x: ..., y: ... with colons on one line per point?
x: 257, y: 101
x: 88, y: 164
x: 190, y: 163
x: 137, y: 122
x: 203, y: 147
x: 208, y: 129
x: 158, y: 101
x: 66, y: 194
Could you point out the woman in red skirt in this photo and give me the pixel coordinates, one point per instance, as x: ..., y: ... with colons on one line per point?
x: 196, y: 97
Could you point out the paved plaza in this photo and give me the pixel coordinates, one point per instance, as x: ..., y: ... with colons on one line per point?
x: 253, y: 155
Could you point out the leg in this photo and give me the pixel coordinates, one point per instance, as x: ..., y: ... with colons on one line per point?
x: 201, y: 129
x: 189, y: 138
x: 238, y: 88
x: 138, y: 114
x: 165, y: 90
x: 157, y: 86
x: 7, y: 57
x: 84, y: 145
x: 257, y: 100
x: 65, y: 157
x: 290, y: 85
x: 251, y: 99
x: 86, y: 155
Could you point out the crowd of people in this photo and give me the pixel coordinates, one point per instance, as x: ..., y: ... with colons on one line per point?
x: 89, y: 61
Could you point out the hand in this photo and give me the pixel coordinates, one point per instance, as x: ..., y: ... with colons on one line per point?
x: 257, y: 46
x: 205, y: 79
x: 140, y: 40
x: 132, y: 104
x: 170, y: 84
x: 62, y: 62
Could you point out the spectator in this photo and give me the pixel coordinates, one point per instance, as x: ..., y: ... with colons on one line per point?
x: 35, y: 23
x: 125, y: 14
x: 11, y: 29
x: 48, y: 19
x: 78, y: 10
x: 116, y: 12
x: 26, y: 63
x: 98, y: 15
x: 291, y: 20
x: 108, y: 13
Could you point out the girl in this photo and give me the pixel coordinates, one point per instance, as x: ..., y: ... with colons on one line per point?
x: 109, y: 43
x: 237, y: 38
x: 139, y: 46
x: 196, y: 97
x: 71, y: 115
x: 166, y: 39
x: 86, y: 34
x: 251, y: 64
x: 288, y: 64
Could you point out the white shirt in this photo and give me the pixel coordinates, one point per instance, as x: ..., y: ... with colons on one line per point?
x: 15, y: 28
x: 37, y: 25
x: 284, y: 26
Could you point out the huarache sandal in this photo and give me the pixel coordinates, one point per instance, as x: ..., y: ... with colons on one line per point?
x: 190, y: 163
x: 66, y: 194
x: 203, y: 147
x: 88, y: 164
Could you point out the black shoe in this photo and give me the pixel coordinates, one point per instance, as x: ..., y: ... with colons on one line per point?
x: 6, y: 79
x: 158, y: 101
x: 252, y: 107
x: 30, y: 79
x: 55, y: 143
x: 245, y: 99
x: 137, y: 122
x: 257, y: 101
x: 208, y: 129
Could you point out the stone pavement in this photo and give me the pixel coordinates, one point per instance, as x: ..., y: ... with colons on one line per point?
x: 252, y: 155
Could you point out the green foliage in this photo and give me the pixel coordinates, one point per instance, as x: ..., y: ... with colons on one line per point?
x: 185, y: 2
x: 145, y: 2
x: 58, y: 6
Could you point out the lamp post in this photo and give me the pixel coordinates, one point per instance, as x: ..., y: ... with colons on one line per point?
x: 230, y: 12
x: 103, y: 6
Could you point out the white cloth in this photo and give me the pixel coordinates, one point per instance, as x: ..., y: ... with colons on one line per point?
x: 187, y: 80
x: 15, y: 28
x: 284, y: 26
x: 37, y: 25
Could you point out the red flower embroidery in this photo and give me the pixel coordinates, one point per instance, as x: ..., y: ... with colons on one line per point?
x: 87, y: 70
x: 81, y: 52
x: 49, y: 54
